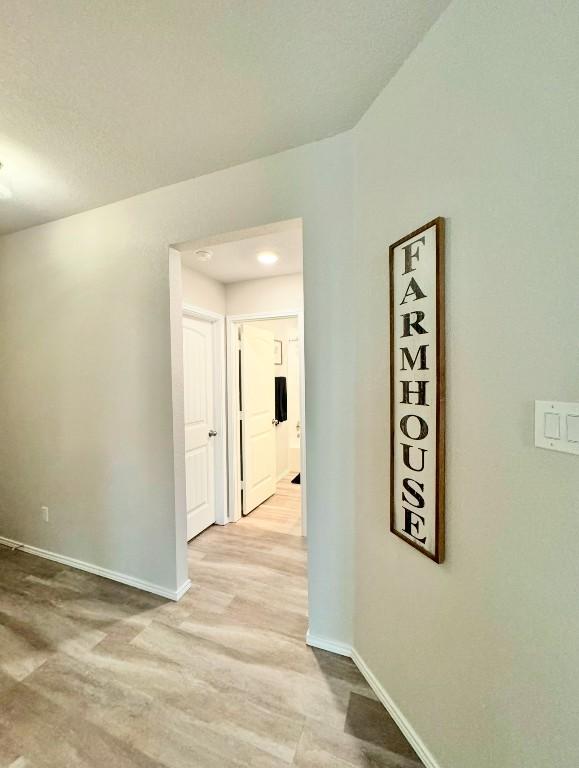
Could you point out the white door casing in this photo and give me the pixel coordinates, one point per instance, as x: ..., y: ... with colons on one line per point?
x: 258, y: 407
x: 198, y: 358
x: 293, y: 405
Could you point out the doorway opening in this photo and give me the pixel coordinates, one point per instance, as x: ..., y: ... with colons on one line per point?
x: 267, y: 388
x: 243, y: 379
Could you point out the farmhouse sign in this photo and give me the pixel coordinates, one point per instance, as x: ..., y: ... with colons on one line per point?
x: 417, y: 389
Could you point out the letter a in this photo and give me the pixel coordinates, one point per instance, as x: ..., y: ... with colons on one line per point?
x: 413, y: 290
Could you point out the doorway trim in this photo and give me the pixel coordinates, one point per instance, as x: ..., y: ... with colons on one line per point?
x: 218, y: 325
x: 234, y: 509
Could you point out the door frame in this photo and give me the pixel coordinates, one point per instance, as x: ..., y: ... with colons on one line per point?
x: 233, y: 449
x: 219, y: 383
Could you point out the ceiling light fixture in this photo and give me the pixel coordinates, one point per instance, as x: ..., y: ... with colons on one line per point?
x: 203, y: 255
x: 5, y: 188
x: 267, y: 257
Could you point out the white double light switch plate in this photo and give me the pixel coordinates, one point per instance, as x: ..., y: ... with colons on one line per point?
x: 557, y: 426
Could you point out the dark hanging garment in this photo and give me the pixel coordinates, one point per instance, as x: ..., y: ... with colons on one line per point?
x: 280, y: 398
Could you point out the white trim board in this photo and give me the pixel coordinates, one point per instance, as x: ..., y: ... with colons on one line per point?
x: 392, y: 708
x: 390, y: 705
x: 80, y: 565
x: 203, y: 314
x: 248, y: 317
x: 324, y: 644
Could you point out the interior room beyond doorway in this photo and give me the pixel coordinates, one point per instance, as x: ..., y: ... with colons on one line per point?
x: 267, y: 428
x: 244, y: 387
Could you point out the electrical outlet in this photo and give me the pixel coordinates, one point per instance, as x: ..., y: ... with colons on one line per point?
x: 44, y: 512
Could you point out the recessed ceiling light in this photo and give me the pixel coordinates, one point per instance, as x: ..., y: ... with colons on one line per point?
x: 5, y: 188
x: 203, y: 255
x: 267, y: 257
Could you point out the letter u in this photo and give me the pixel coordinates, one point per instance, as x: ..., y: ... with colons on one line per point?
x: 406, y: 456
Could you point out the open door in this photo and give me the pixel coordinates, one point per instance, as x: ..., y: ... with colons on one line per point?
x: 258, y: 407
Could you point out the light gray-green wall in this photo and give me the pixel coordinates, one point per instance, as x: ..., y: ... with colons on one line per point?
x: 481, y: 125
x: 85, y: 384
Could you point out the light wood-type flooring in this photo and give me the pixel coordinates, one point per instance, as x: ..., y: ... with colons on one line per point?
x: 281, y: 513
x: 94, y: 674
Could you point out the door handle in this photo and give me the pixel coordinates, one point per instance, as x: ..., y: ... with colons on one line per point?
x: 212, y: 433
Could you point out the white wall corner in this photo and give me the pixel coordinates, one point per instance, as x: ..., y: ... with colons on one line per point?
x: 178, y: 408
x: 392, y: 708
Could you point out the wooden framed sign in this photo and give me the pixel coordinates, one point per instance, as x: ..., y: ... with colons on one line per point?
x: 417, y: 389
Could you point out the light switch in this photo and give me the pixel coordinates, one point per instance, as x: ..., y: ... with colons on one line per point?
x: 552, y: 426
x: 573, y: 429
x: 557, y: 426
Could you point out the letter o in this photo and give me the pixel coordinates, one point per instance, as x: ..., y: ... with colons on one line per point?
x: 423, y: 427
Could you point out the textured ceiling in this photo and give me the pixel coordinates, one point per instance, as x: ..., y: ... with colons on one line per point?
x: 104, y: 99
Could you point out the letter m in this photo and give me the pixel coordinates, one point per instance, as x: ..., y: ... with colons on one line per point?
x: 407, y: 358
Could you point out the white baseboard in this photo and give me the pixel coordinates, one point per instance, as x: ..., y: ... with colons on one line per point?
x: 80, y: 565
x: 178, y: 594
x: 399, y: 718
x: 328, y: 645
x: 391, y: 707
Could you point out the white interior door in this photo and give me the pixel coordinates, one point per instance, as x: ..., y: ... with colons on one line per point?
x: 198, y: 360
x: 293, y: 405
x: 258, y: 406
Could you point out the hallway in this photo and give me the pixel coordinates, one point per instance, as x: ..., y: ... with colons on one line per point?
x: 281, y: 513
x: 94, y: 673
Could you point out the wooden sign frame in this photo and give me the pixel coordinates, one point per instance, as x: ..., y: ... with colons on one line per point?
x: 417, y: 269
